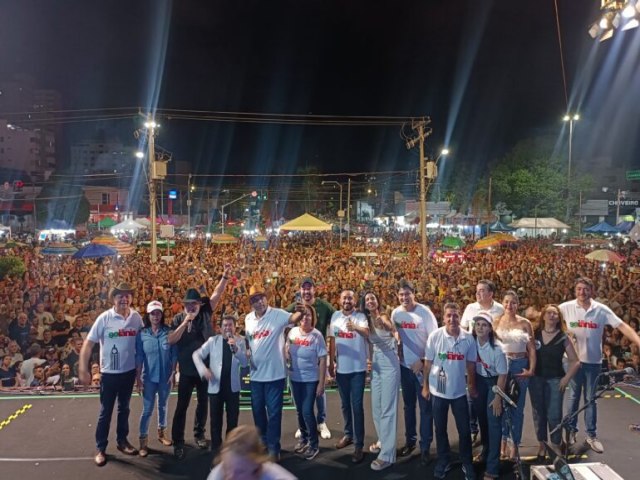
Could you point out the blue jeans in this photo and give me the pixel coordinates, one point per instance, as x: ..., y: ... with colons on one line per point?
x: 516, y: 365
x: 114, y: 386
x: 490, y: 425
x: 266, y: 406
x: 149, y: 393
x: 460, y: 410
x: 321, y: 405
x: 584, y: 382
x: 351, y: 388
x: 304, y: 395
x: 411, y: 392
x: 546, y: 404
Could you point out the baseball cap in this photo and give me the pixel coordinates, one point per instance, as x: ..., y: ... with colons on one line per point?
x: 153, y: 306
x: 486, y: 316
x: 308, y: 280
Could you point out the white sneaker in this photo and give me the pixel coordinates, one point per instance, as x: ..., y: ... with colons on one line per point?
x: 298, y: 434
x: 595, y: 444
x: 324, y: 431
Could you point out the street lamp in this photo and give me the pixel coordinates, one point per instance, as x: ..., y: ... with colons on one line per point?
x: 571, y: 118
x: 341, y: 211
x: 254, y: 194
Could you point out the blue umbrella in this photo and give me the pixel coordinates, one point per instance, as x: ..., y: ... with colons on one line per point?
x: 95, y: 250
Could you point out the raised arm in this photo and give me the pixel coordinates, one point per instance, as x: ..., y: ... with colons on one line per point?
x: 219, y: 290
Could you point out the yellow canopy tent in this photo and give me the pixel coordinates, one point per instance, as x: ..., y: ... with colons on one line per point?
x: 306, y: 223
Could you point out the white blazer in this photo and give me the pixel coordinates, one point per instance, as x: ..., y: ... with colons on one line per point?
x: 213, y: 349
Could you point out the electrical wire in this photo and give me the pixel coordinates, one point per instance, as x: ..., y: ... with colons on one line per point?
x: 560, y: 47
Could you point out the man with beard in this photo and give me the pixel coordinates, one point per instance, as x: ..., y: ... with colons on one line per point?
x: 415, y: 323
x: 115, y: 331
x: 190, y: 330
x: 451, y: 354
x: 347, y: 335
x: 264, y: 328
x: 324, y: 311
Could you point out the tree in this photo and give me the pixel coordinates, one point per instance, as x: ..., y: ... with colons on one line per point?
x: 10, y: 265
x: 531, y: 179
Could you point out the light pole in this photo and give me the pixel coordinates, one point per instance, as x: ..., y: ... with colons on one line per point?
x: 571, y: 118
x: 341, y: 211
x: 151, y: 127
x: 230, y: 203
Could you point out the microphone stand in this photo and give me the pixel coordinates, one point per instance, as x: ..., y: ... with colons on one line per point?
x: 560, y: 464
x: 517, y: 468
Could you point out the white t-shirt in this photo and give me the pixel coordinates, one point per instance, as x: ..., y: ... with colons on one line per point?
x: 587, y: 326
x: 491, y: 361
x: 474, y: 308
x: 351, y: 347
x: 305, y: 350
x: 266, y: 341
x: 270, y: 471
x: 117, y: 338
x: 414, y: 328
x: 450, y: 354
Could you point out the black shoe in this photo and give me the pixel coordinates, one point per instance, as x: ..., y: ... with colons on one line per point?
x: 126, y: 448
x: 358, y: 455
x: 178, y: 452
x: 425, y: 458
x: 202, y: 443
x: 406, y: 450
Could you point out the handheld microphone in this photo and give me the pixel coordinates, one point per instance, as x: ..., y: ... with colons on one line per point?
x: 612, y: 373
x: 229, y: 335
x: 498, y: 391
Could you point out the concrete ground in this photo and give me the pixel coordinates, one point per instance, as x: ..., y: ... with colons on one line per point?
x: 52, y: 436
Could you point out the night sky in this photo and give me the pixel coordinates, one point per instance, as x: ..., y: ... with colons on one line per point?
x: 487, y: 73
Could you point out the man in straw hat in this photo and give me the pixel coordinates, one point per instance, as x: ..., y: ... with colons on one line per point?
x: 115, y: 330
x: 264, y: 328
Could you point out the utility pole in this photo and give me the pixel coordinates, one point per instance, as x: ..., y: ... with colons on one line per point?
x: 489, y: 208
x: 189, y: 206
x: 151, y: 129
x: 423, y: 133
x: 348, y: 212
x: 341, y: 211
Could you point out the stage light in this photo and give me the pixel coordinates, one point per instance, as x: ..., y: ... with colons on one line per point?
x: 616, y: 15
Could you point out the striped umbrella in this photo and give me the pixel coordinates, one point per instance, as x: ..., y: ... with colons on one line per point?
x: 59, y: 248
x: 123, y: 248
x: 605, y: 255
x: 495, y: 240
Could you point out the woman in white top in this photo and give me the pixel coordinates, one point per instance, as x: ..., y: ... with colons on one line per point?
x: 516, y: 335
x: 491, y: 369
x: 385, y: 381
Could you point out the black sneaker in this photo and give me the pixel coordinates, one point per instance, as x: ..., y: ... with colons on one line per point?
x: 406, y: 450
x: 300, y: 447
x: 310, y: 453
x: 178, y: 452
x: 202, y: 443
x: 425, y: 458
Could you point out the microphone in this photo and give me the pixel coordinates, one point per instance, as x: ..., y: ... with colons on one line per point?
x: 498, y: 391
x: 613, y: 373
x: 229, y: 335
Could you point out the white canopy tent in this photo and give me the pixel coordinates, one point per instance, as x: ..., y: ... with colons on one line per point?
x: 535, y: 226
x: 127, y: 226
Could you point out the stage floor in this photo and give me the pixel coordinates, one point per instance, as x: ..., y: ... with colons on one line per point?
x: 53, y: 436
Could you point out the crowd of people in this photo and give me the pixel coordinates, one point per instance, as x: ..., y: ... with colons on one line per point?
x: 307, y: 310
